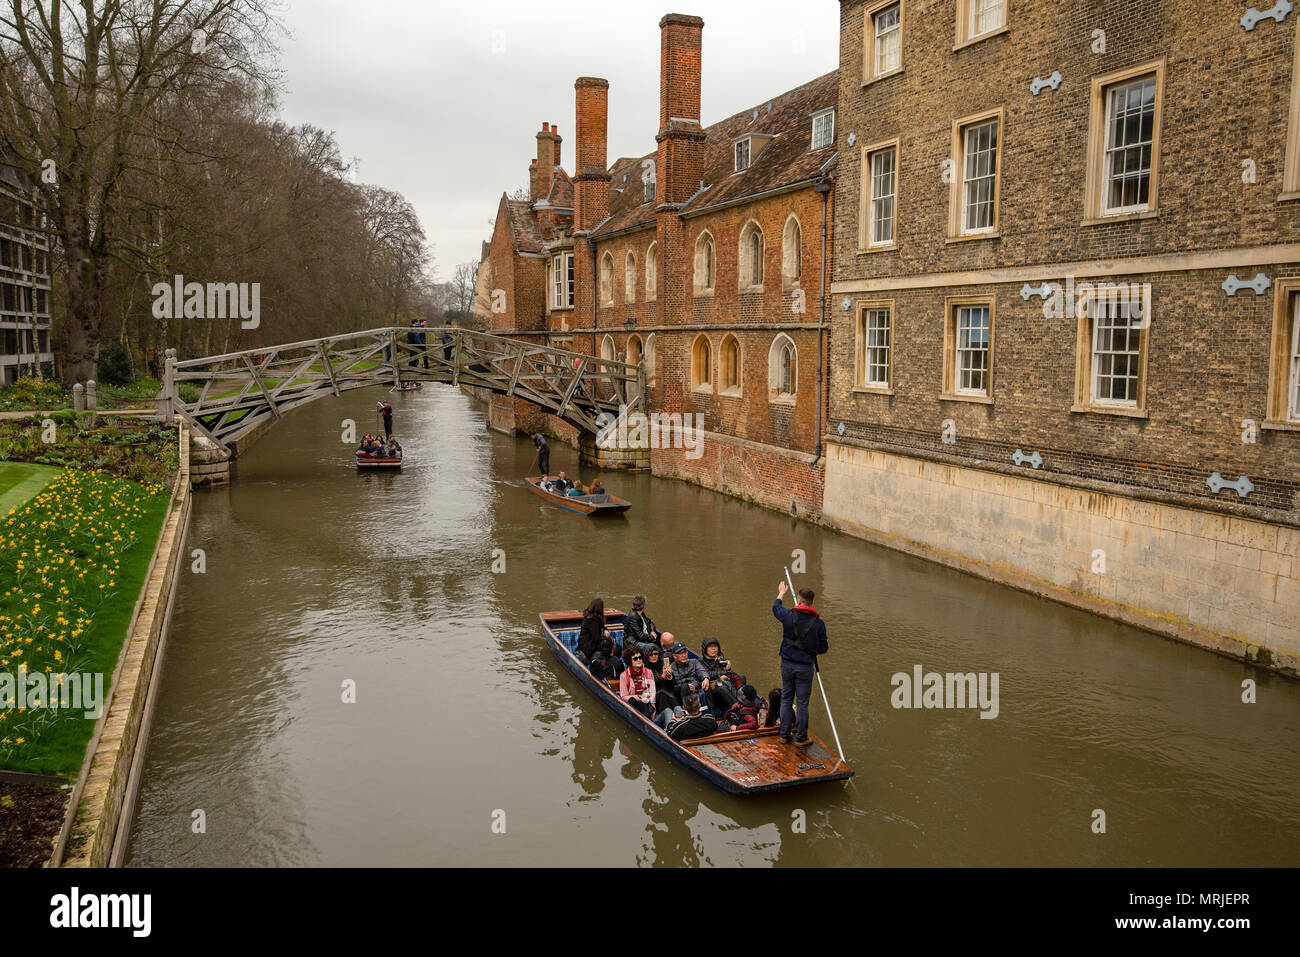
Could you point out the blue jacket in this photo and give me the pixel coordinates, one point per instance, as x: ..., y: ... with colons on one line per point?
x: 813, y: 628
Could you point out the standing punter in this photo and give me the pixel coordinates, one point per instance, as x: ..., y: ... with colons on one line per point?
x: 803, y: 639
x: 543, y: 453
x: 386, y: 410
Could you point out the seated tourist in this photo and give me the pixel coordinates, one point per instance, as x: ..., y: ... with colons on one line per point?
x: 561, y: 484
x: 604, y: 663
x: 743, y: 715
x: 597, y: 488
x: 395, y: 450
x: 636, y: 685
x: 687, y: 721
x: 575, y: 490
x: 687, y: 677
x: 637, y: 623
x: 722, y: 690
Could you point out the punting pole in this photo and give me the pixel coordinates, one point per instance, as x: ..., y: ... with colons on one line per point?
x: 794, y: 596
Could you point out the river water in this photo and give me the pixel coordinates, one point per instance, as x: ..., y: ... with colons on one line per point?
x: 464, y: 725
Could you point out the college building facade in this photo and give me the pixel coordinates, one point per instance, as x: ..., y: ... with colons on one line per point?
x: 1065, y: 351
x: 1060, y: 345
x: 24, y: 281
x: 706, y: 260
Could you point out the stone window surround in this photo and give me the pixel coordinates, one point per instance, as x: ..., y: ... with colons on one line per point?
x: 1286, y: 302
x: 702, y: 288
x: 860, y: 347
x: 956, y: 198
x: 774, y: 396
x: 725, y: 389
x: 965, y: 11
x: 607, y: 279
x: 951, y: 305
x: 1291, y: 168
x: 629, y: 277
x: 864, y: 199
x: 702, y: 354
x: 1083, y: 371
x: 652, y: 272
x: 1095, y: 181
x: 790, y: 256
x: 745, y: 279
x: 869, y: 74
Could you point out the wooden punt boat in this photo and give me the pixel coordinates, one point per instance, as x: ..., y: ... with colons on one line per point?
x: 594, y: 505
x: 366, y: 462
x: 738, y: 762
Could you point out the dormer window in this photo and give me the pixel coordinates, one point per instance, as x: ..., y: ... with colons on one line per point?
x: 823, y: 129
x: 742, y: 154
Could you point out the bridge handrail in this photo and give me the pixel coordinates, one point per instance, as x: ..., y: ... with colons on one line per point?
x: 607, y: 365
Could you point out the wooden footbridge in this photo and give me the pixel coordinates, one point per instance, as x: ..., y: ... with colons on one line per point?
x: 226, y: 397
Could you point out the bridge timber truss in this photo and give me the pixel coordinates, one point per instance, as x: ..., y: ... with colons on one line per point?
x: 240, y: 391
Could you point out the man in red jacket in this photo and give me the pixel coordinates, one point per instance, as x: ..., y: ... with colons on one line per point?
x: 803, y: 638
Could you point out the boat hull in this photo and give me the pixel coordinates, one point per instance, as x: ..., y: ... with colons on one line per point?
x: 379, y: 463
x: 615, y: 505
x: 720, y: 760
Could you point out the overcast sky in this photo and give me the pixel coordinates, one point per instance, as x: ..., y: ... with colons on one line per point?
x: 442, y: 101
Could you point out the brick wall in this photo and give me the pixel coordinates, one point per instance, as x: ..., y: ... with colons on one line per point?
x: 1207, y: 365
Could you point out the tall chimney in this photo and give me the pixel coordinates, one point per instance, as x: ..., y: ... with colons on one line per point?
x: 548, y: 147
x: 679, y: 167
x: 591, y: 176
x: 681, y: 138
x: 590, y: 189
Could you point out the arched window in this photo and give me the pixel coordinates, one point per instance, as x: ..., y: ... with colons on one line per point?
x: 652, y: 272
x: 729, y: 357
x: 607, y: 279
x: 649, y: 359
x: 634, y: 349
x: 629, y: 277
x: 607, y: 351
x: 705, y: 263
x: 782, y: 368
x: 791, y: 252
x: 702, y: 364
x: 751, y: 255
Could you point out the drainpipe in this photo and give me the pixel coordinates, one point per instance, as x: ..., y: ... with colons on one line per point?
x: 822, y: 186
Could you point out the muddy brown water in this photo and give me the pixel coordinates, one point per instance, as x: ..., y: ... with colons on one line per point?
x: 464, y: 723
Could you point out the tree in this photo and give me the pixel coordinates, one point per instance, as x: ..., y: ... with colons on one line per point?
x: 462, y: 287
x: 82, y: 91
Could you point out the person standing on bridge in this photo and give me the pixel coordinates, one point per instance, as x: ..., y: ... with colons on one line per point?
x: 543, y: 453
x: 447, y: 345
x: 803, y: 638
x: 386, y: 410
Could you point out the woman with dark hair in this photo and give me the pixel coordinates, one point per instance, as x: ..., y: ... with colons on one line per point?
x: 593, y: 629
x: 636, y: 685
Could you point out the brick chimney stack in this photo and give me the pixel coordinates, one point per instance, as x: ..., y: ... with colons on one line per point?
x: 548, y: 157
x: 591, y: 174
x: 681, y: 137
x: 590, y: 190
x: 680, y: 160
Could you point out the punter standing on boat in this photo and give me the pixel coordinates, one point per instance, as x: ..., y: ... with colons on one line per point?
x: 803, y: 638
x: 386, y: 410
x: 543, y: 453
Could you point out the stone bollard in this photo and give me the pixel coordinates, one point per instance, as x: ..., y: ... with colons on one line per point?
x: 92, y: 393
x: 79, y: 397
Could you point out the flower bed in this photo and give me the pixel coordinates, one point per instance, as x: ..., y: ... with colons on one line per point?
x: 73, y: 560
x: 134, y: 448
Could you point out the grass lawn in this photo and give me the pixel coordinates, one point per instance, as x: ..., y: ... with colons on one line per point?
x: 19, y: 481
x: 73, y: 560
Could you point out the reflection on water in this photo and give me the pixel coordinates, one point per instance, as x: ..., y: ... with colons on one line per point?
x: 318, y: 577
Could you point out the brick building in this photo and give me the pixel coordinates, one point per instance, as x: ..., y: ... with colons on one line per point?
x: 706, y: 259
x: 1041, y: 349
x: 24, y: 281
